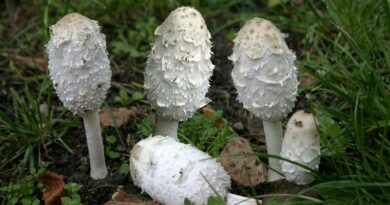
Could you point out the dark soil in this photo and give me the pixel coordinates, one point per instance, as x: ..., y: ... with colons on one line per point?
x: 75, y: 168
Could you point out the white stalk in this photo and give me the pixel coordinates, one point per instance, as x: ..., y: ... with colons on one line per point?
x: 273, y: 138
x: 166, y: 127
x: 95, y: 145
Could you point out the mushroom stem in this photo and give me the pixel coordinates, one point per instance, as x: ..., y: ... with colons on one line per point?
x: 95, y: 145
x: 166, y: 127
x: 273, y: 138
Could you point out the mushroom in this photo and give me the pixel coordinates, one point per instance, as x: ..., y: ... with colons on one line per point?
x: 301, y: 144
x: 265, y: 79
x: 178, y: 69
x: 170, y: 172
x: 80, y: 70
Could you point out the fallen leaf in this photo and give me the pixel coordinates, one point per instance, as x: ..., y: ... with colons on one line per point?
x: 55, y: 188
x: 307, y: 80
x: 122, y: 198
x: 31, y: 62
x: 121, y: 116
x: 208, y: 112
x: 246, y: 170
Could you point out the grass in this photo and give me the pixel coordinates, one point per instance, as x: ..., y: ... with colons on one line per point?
x: 27, y: 128
x: 207, y: 133
x: 351, y: 98
x: 343, y: 46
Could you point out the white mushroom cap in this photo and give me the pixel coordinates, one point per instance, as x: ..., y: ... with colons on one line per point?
x: 301, y: 144
x: 170, y: 171
x: 78, y: 63
x: 179, y: 66
x: 264, y: 71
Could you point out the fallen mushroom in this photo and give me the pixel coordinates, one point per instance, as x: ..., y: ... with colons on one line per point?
x: 301, y: 144
x: 178, y: 69
x: 264, y: 75
x: 170, y: 172
x: 80, y: 70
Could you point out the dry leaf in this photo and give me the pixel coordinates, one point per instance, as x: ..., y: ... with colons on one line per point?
x: 31, y: 62
x: 307, y: 80
x: 246, y: 170
x: 121, y: 115
x: 208, y: 112
x: 122, y: 198
x: 55, y: 188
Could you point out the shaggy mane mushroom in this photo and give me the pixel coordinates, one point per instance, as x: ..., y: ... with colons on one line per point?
x: 301, y: 144
x: 265, y: 79
x: 80, y: 70
x: 178, y: 69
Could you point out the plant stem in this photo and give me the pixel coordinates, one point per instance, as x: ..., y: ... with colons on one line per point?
x: 166, y: 127
x: 95, y: 145
x: 273, y: 138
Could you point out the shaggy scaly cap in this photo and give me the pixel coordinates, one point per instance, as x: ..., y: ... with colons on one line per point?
x: 264, y: 71
x: 301, y: 144
x: 179, y: 66
x: 170, y: 171
x: 78, y: 63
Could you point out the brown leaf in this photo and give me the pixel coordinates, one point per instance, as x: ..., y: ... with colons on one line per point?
x: 122, y: 198
x: 55, y: 188
x: 208, y: 112
x: 307, y: 80
x: 31, y: 62
x: 121, y: 116
x: 246, y: 170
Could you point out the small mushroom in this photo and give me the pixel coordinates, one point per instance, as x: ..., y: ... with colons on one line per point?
x: 265, y: 79
x: 301, y: 144
x: 80, y: 70
x: 170, y: 171
x: 178, y: 69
